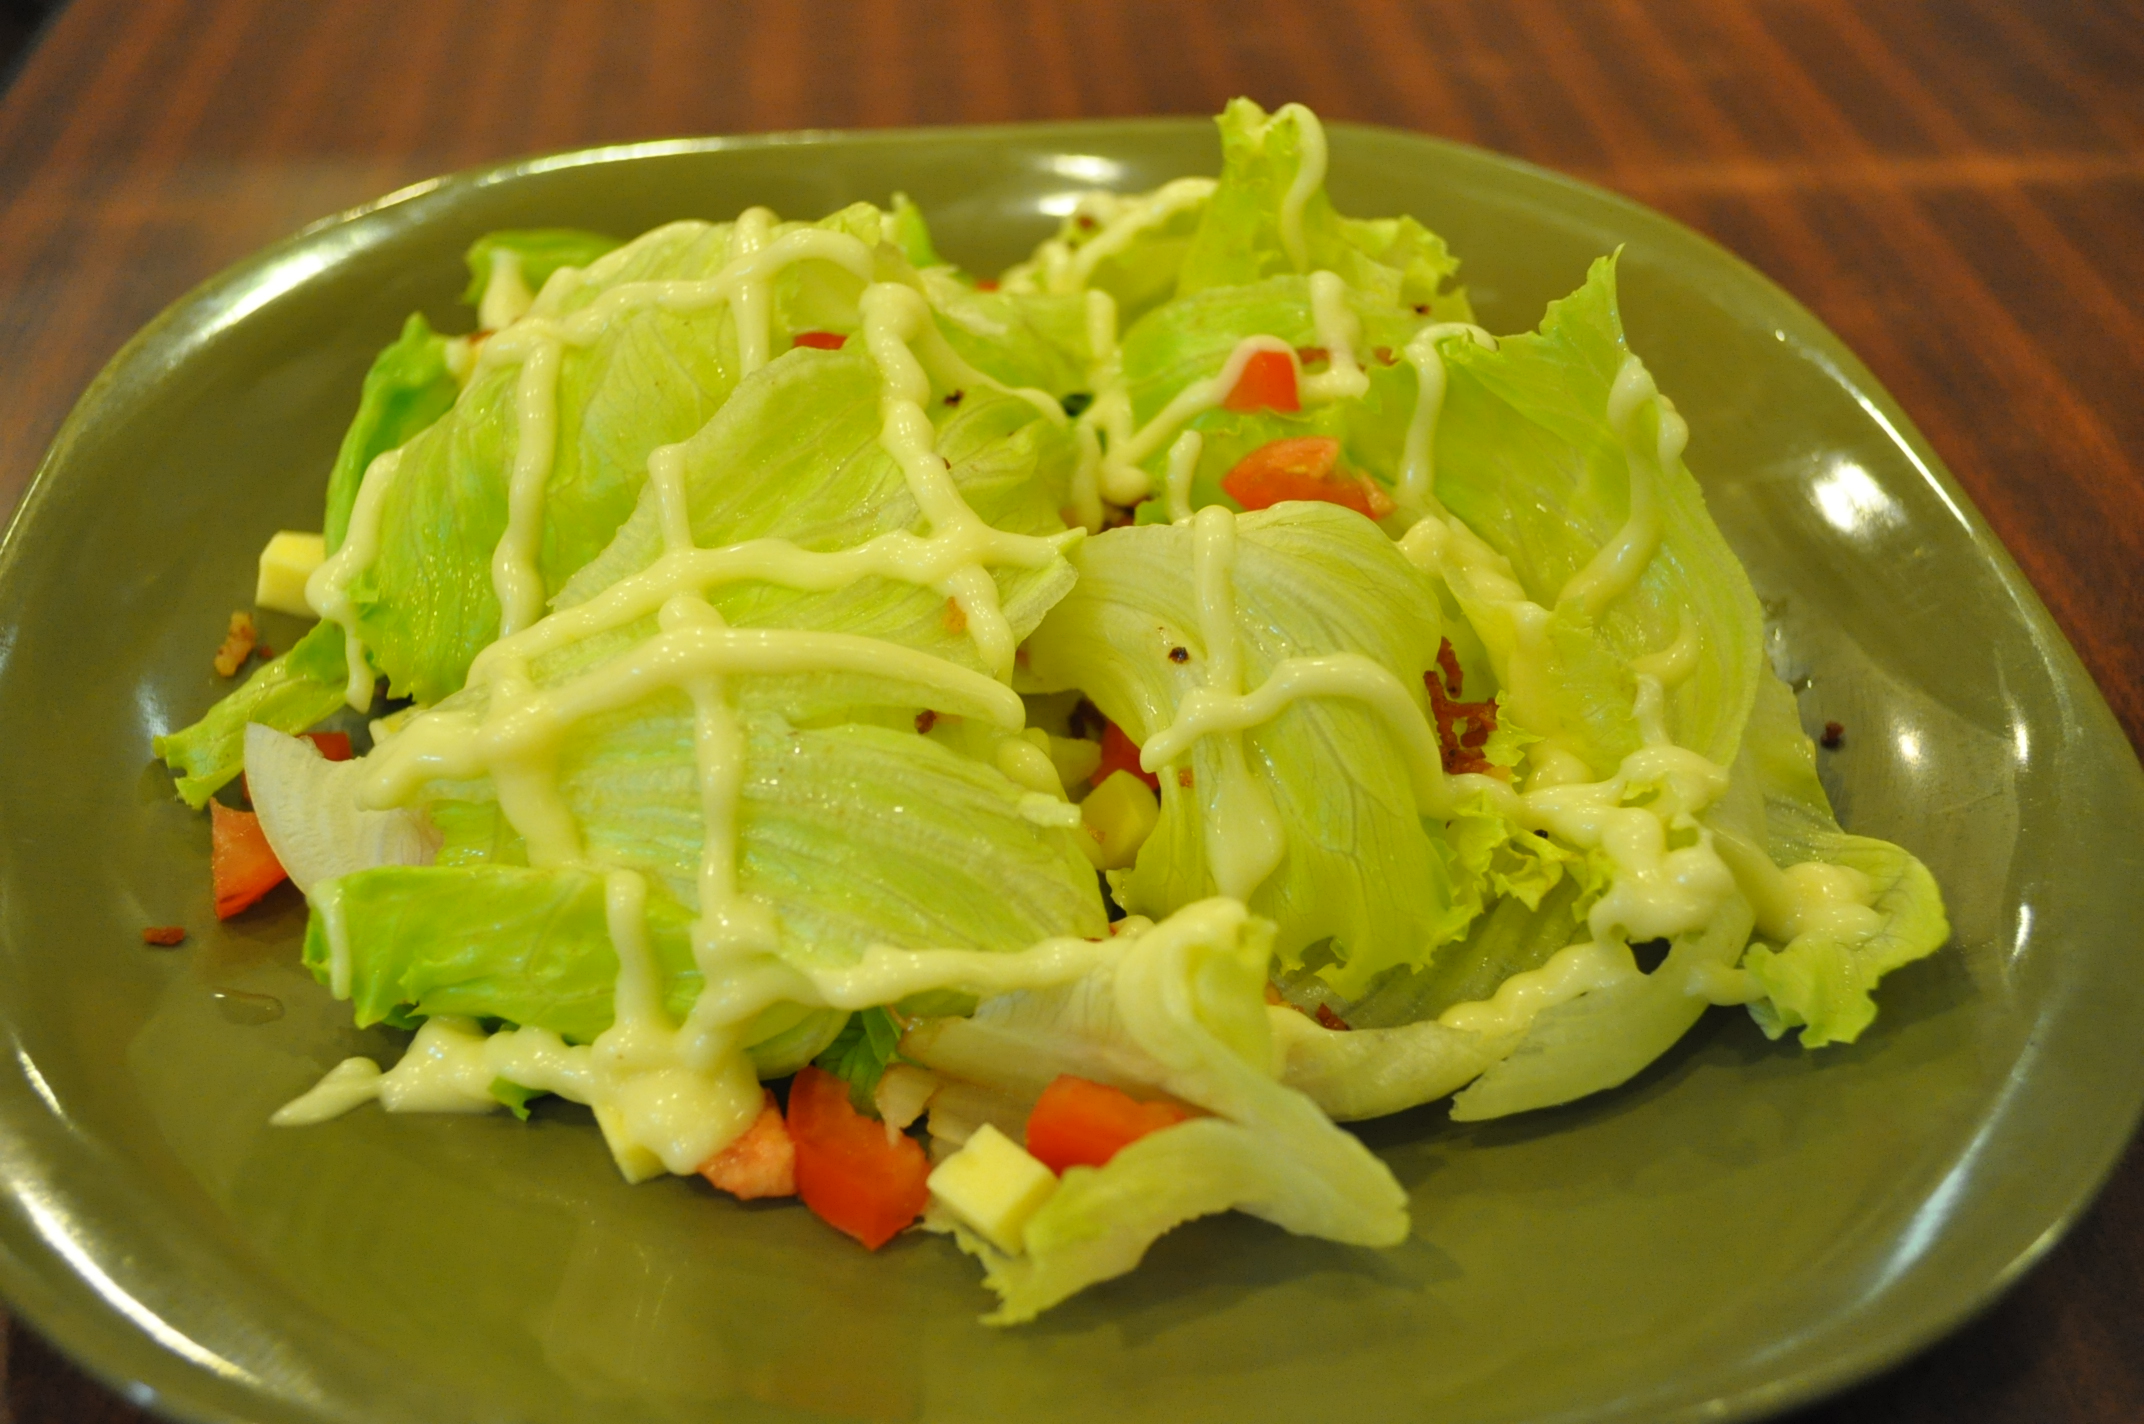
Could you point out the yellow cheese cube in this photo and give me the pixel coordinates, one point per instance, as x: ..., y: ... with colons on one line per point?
x: 1119, y: 815
x: 287, y: 562
x: 993, y: 1187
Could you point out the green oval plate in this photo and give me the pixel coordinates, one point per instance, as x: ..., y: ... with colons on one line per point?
x: 1742, y: 1227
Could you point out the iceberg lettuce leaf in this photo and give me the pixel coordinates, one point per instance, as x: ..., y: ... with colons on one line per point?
x: 289, y: 693
x: 1820, y: 981
x: 1309, y: 579
x: 1527, y: 458
x: 1243, y: 235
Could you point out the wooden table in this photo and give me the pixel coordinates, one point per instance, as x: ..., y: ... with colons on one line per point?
x: 1957, y: 189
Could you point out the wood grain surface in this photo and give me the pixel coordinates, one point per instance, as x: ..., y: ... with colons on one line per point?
x: 1957, y: 189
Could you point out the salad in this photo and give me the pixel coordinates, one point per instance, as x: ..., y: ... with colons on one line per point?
x: 1030, y: 757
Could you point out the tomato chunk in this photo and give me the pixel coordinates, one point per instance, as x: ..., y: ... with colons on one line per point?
x: 851, y: 1177
x: 1303, y: 467
x: 762, y: 1163
x: 1079, y: 1123
x: 1120, y: 753
x: 1267, y: 383
x: 241, y: 865
x: 821, y: 340
x: 335, y: 746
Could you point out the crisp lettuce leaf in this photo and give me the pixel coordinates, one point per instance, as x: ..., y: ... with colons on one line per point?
x: 1032, y: 339
x: 653, y: 377
x: 1309, y: 579
x: 539, y: 251
x: 289, y: 693
x: 1605, y: 1037
x: 1242, y: 235
x: 1527, y: 458
x: 1821, y: 982
x: 408, y: 388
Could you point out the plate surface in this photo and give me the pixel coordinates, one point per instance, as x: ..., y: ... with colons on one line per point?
x: 1741, y: 1227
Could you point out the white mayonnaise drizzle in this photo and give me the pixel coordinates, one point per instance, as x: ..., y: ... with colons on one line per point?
x: 327, y: 588
x: 1415, y: 490
x: 507, y: 297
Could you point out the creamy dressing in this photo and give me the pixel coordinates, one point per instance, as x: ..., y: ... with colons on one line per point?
x: 327, y: 588
x: 1615, y: 569
x: 1415, y: 490
x: 1576, y: 969
x: 507, y: 297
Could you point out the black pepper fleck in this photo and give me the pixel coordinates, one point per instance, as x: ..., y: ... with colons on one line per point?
x: 1179, y: 655
x: 1834, y: 733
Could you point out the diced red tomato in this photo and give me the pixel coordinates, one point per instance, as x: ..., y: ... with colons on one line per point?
x: 821, y: 340
x: 1121, y: 753
x: 1079, y: 1123
x: 1267, y: 383
x: 762, y: 1163
x: 851, y: 1177
x: 1302, y: 467
x: 240, y: 862
x: 335, y: 746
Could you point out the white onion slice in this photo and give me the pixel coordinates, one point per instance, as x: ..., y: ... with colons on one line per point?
x: 310, y: 814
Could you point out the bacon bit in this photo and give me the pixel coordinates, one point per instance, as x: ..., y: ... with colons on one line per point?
x: 762, y: 1163
x: 1273, y: 994
x: 926, y: 719
x: 238, y: 644
x: 165, y: 935
x: 1312, y: 355
x: 1384, y: 355
x: 820, y: 340
x: 1328, y: 1019
x: 1463, y: 728
x: 953, y: 397
x: 1179, y: 655
x: 263, y: 651
x: 1834, y: 733
x: 1183, y: 776
x: 956, y: 617
x: 1084, y: 222
x: 986, y: 284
